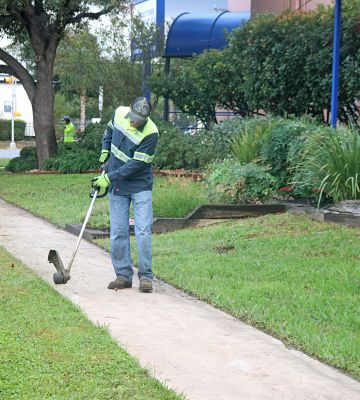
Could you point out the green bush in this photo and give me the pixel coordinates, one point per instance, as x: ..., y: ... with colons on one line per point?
x: 5, y: 129
x: 72, y: 158
x: 78, y: 156
x: 91, y: 138
x: 283, y: 142
x: 26, y: 162
x: 232, y: 182
x: 174, y: 149
x: 330, y: 164
x: 214, y: 144
x: 177, y: 149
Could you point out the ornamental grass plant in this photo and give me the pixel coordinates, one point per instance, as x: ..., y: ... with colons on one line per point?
x: 247, y: 143
x: 330, y: 163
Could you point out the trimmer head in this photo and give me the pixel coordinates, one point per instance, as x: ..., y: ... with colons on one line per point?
x: 61, y: 276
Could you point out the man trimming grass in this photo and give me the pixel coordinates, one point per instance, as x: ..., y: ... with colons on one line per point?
x: 49, y: 350
x: 285, y: 274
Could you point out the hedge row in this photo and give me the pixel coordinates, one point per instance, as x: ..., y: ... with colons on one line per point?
x: 5, y: 129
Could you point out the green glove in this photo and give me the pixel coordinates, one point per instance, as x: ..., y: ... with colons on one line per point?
x: 104, y: 156
x: 101, y: 181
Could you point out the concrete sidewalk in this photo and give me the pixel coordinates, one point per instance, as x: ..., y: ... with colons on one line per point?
x: 192, y: 347
x: 9, y: 153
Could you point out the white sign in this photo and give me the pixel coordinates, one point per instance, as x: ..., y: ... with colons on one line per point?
x: 146, y: 10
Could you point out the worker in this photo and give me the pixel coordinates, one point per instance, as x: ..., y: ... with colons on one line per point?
x: 69, y: 131
x: 129, y: 143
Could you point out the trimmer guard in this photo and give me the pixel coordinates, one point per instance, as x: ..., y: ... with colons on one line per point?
x: 55, y: 259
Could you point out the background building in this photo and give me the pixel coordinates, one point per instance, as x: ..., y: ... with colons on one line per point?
x: 276, y: 6
x: 149, y: 9
x: 22, y: 104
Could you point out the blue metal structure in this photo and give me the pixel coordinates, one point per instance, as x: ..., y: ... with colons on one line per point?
x: 336, y: 63
x: 193, y: 33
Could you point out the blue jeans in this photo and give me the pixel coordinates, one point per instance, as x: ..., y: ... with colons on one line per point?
x: 120, y: 235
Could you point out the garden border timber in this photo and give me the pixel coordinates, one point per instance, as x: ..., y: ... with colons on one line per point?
x: 203, y: 215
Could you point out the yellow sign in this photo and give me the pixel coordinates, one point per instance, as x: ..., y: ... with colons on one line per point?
x: 17, y: 114
x: 10, y: 79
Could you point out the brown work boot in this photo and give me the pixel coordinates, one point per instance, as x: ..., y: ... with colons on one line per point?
x: 146, y: 285
x: 119, y: 283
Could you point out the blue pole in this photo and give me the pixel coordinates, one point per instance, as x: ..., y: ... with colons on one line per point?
x: 335, y: 67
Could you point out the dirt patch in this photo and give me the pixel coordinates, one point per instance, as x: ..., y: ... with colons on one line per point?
x: 224, y: 249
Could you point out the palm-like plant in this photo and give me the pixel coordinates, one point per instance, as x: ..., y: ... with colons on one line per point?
x: 247, y: 144
x: 331, y: 161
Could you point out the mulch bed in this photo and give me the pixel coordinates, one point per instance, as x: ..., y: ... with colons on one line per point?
x: 178, y: 173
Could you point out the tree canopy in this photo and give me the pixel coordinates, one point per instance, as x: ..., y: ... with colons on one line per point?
x: 278, y: 64
x: 42, y: 24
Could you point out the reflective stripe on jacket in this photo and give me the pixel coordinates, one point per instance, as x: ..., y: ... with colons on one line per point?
x: 131, y: 153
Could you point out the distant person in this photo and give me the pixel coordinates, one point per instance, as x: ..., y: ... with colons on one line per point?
x: 69, y: 131
x: 129, y: 143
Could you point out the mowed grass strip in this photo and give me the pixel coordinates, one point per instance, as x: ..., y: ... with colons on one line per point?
x: 4, y: 162
x: 64, y: 199
x: 50, y: 350
x: 297, y: 279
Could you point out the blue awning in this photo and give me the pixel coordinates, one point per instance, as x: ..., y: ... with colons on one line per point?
x: 193, y: 33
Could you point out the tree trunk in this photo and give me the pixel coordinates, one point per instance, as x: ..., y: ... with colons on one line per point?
x: 43, y: 113
x: 83, y: 101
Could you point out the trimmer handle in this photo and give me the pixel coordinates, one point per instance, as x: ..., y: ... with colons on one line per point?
x: 96, y: 189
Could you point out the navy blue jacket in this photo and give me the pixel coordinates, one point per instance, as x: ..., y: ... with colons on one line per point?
x: 131, y: 153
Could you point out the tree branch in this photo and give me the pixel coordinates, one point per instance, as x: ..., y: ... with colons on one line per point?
x: 5, y: 69
x: 90, y: 15
x: 20, y: 72
x: 20, y: 15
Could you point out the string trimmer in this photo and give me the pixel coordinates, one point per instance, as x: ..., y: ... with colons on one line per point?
x: 63, y: 275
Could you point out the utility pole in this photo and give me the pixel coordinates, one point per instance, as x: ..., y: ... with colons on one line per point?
x: 336, y: 64
x: 13, y: 103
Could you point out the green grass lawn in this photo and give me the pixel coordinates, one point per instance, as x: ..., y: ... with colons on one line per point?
x: 294, y: 278
x: 64, y: 199
x: 50, y: 350
x: 4, y: 162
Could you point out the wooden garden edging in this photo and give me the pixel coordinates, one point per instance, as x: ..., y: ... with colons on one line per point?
x: 226, y: 211
x: 203, y: 215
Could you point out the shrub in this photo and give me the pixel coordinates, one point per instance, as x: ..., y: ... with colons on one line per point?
x: 5, y: 129
x: 78, y: 156
x: 26, y: 162
x: 232, y: 182
x: 249, y: 138
x: 215, y: 144
x: 73, y: 158
x: 91, y: 138
x: 283, y: 143
x: 177, y: 149
x: 331, y: 164
x: 174, y: 149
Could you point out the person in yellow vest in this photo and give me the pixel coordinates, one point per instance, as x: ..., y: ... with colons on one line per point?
x: 69, y: 131
x: 129, y: 143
